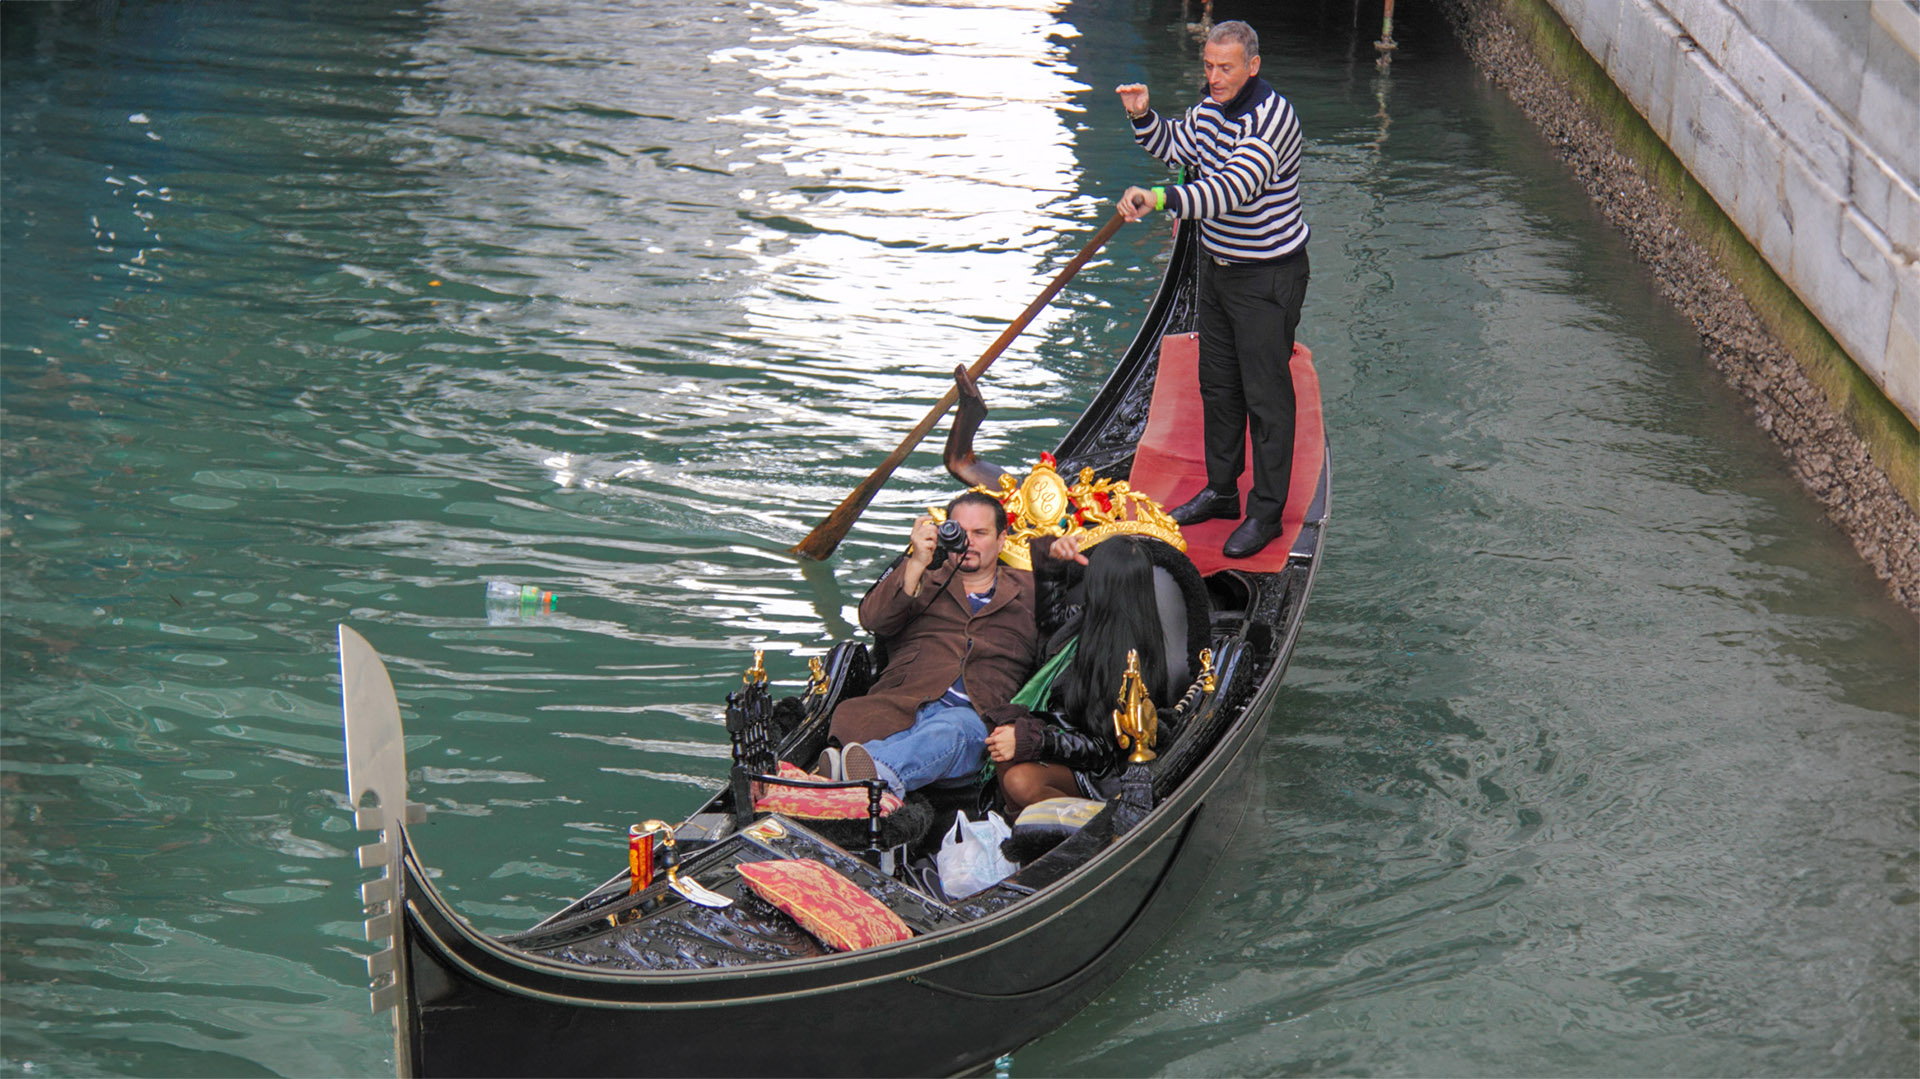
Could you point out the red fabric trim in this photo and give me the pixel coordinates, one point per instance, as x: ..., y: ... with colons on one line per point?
x: 840, y: 803
x: 1171, y: 464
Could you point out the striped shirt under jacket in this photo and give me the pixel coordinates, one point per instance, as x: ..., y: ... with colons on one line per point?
x: 1247, y: 154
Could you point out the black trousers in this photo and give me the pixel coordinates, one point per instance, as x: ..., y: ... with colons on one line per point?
x: 1248, y: 312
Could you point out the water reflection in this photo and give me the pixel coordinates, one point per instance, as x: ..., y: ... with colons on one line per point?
x: 807, y: 265
x: 935, y: 186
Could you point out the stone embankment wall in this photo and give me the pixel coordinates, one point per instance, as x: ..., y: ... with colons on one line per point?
x: 1802, y: 120
x: 1837, y: 205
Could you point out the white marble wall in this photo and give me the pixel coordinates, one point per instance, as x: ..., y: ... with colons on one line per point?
x: 1802, y: 119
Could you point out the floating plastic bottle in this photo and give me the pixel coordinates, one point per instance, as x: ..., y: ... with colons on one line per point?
x: 509, y: 602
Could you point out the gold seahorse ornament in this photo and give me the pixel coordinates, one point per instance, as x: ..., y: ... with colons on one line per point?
x: 1136, y: 722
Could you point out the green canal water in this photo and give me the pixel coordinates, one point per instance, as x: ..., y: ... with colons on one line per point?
x: 1598, y: 755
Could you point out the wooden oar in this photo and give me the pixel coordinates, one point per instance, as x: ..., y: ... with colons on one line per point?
x: 828, y: 534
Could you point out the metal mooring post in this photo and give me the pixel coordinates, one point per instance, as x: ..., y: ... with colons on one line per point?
x: 1386, y: 45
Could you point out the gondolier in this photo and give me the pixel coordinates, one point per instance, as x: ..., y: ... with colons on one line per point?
x: 1243, y: 139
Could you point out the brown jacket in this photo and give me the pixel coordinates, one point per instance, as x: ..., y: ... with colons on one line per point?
x: 996, y: 650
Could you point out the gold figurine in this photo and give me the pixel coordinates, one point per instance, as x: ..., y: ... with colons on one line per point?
x: 758, y: 672
x: 1136, y: 722
x: 816, y: 677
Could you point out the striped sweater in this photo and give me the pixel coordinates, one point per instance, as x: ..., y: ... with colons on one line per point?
x: 1247, y: 155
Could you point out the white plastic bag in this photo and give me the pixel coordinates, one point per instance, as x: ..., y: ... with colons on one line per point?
x: 970, y: 857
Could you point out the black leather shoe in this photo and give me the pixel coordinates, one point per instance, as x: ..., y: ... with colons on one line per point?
x: 1208, y: 505
x: 1249, y: 538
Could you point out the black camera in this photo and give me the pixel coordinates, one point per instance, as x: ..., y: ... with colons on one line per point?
x: 947, y: 539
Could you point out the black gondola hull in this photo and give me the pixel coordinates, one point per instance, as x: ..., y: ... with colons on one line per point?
x: 948, y: 1004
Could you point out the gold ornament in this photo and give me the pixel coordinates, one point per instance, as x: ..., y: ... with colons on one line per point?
x: 1136, y: 723
x: 1091, y: 510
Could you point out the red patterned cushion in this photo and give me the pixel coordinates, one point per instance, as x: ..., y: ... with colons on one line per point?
x: 826, y: 904
x: 839, y: 803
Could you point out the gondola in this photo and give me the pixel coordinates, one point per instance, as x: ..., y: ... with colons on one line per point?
x: 638, y: 977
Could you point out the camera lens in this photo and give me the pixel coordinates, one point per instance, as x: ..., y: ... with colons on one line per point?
x: 947, y: 539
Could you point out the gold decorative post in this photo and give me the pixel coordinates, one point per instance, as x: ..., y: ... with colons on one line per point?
x: 640, y: 856
x: 1136, y: 722
x: 673, y: 857
x: 685, y: 887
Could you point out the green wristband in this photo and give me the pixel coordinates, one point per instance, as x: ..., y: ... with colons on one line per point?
x: 1159, y: 198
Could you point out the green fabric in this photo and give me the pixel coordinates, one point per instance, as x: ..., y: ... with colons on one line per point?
x: 1039, y: 689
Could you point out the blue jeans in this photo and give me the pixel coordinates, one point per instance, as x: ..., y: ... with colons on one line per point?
x: 945, y: 742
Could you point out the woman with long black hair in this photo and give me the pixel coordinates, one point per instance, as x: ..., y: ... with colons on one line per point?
x: 1057, y: 740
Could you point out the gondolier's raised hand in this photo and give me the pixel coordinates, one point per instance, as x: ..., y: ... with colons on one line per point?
x: 1138, y: 201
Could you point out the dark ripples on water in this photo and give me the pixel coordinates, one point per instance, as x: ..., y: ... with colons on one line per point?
x: 1600, y: 746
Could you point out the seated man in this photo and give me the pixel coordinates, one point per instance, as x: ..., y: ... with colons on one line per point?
x: 1140, y: 593
x: 961, y: 639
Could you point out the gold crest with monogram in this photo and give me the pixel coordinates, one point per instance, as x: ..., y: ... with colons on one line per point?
x: 1044, y: 504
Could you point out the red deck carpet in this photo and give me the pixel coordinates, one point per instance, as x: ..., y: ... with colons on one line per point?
x: 1171, y: 462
